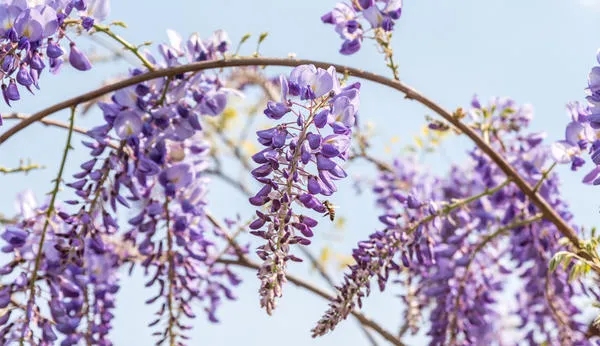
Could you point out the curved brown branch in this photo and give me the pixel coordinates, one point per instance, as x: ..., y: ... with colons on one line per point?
x: 47, y: 122
x: 410, y: 93
x: 55, y: 123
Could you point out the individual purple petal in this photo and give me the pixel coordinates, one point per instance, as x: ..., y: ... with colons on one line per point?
x: 179, y: 175
x: 314, y: 140
x: 16, y: 237
x: 78, y: 60
x: 213, y: 104
x: 54, y: 50
x: 12, y: 92
x: 324, y: 163
x: 313, y: 185
x: 322, y: 118
x: 350, y: 47
x: 23, y: 77
x: 592, y: 175
x: 276, y: 110
x: 127, y: 124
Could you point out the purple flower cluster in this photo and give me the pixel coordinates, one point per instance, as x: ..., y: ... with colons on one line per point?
x: 379, y: 14
x: 80, y: 295
x: 581, y: 134
x: 450, y: 244
x: 31, y: 37
x: 466, y: 301
x: 298, y: 164
x: 158, y: 171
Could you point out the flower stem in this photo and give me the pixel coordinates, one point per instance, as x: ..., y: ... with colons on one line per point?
x: 49, y: 211
x: 544, y: 177
x: 21, y: 169
x: 171, y: 274
x: 457, y: 204
x: 130, y: 47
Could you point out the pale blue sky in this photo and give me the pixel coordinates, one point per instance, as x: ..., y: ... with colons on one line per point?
x: 534, y: 51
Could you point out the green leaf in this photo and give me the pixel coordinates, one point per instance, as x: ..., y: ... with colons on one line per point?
x: 245, y: 38
x: 119, y: 23
x: 554, y: 262
x: 573, y: 273
x: 262, y: 37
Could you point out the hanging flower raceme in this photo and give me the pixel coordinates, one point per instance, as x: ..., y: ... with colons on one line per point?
x: 173, y: 237
x: 158, y: 171
x: 379, y: 14
x: 300, y: 162
x: 405, y: 195
x: 80, y: 295
x: 33, y: 36
x: 445, y: 243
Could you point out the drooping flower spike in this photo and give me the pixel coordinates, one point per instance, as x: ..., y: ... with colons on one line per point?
x: 300, y: 162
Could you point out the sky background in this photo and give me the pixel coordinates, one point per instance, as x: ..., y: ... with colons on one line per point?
x: 535, y: 51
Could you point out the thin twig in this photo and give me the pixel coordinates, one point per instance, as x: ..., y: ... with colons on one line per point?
x: 383, y: 166
x: 455, y: 205
x: 130, y: 47
x: 317, y: 266
x: 226, y: 178
x: 56, y: 123
x: 235, y: 149
x: 23, y: 168
x: 537, y: 186
x: 231, y: 240
x: 171, y: 274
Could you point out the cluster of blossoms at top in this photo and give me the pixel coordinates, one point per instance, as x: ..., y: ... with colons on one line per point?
x: 299, y: 164
x: 80, y: 294
x: 445, y: 244
x: 379, y: 14
x: 31, y: 37
x: 582, y: 133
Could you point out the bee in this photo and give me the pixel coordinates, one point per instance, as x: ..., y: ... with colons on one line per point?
x: 330, y: 209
